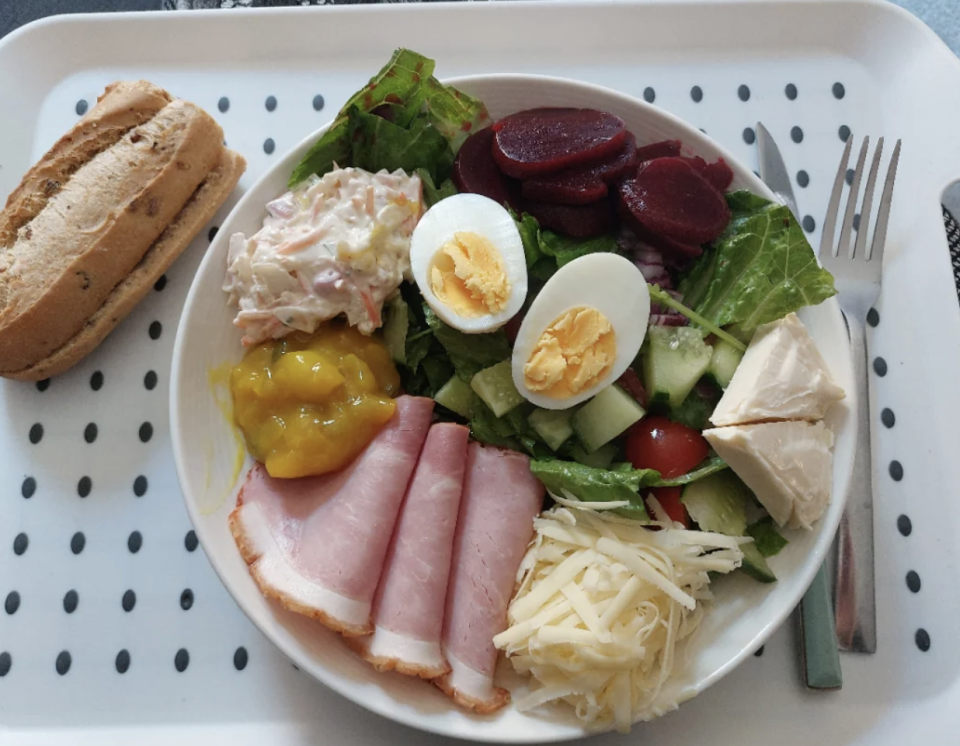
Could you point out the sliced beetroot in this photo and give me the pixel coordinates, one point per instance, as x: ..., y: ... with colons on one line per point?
x: 475, y: 172
x: 667, y: 198
x: 717, y: 173
x: 579, y: 221
x: 663, y: 149
x: 586, y: 184
x: 673, y: 251
x: 543, y: 141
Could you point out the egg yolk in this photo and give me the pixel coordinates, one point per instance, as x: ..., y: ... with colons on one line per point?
x: 309, y: 404
x: 467, y: 275
x: 575, y: 352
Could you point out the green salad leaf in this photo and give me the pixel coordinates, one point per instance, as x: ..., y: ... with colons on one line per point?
x: 566, y: 248
x: 695, y: 410
x: 406, y: 96
x: 596, y: 485
x: 759, y: 270
x: 469, y: 353
x: 530, y: 236
x: 432, y: 193
x: 766, y: 536
x: 709, y: 466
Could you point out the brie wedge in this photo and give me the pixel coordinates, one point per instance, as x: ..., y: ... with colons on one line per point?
x: 782, y: 377
x: 788, y: 465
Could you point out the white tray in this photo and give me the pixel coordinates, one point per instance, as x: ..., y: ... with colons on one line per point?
x: 898, y: 81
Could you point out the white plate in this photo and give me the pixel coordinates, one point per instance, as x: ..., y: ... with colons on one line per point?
x: 206, y: 451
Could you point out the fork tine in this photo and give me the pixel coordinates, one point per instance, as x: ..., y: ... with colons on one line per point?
x: 833, y: 208
x: 860, y: 248
x: 844, y: 249
x: 883, y: 214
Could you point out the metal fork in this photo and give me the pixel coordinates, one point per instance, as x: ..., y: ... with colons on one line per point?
x: 857, y: 272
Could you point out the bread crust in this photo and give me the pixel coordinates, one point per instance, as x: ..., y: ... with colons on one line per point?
x: 81, y: 253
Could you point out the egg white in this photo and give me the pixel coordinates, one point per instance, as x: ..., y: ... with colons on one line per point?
x: 609, y: 283
x: 474, y: 214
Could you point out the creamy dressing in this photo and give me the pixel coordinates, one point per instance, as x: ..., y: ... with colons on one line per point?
x: 335, y: 245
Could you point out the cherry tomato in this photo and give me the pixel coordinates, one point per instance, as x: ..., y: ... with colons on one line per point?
x: 669, y: 447
x: 669, y: 499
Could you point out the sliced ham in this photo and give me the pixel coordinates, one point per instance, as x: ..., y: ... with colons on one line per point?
x: 408, y: 610
x: 500, y: 500
x: 318, y: 544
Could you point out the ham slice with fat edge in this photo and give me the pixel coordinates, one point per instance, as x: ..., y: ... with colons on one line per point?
x: 318, y: 544
x: 408, y: 609
x: 500, y: 500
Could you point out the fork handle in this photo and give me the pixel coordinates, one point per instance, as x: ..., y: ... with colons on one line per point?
x: 854, y: 591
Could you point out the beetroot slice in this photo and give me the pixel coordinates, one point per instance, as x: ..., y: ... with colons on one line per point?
x: 669, y: 199
x: 475, y: 172
x: 543, y: 141
x: 579, y: 221
x: 672, y: 250
x: 586, y: 184
x: 663, y: 149
x: 717, y: 173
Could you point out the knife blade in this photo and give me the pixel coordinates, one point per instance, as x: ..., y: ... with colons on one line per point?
x: 820, y: 649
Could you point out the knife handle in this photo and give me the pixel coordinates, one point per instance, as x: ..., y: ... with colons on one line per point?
x: 821, y: 658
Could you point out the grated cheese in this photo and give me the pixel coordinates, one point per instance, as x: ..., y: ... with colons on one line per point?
x: 601, y: 605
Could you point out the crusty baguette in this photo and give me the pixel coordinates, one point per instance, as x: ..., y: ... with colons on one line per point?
x: 178, y: 235
x: 122, y: 107
x: 96, y: 228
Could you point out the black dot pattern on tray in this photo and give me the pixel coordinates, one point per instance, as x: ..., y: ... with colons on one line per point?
x: 849, y: 176
x: 70, y: 601
x: 81, y: 107
x: 146, y: 432
x: 888, y: 418
x: 809, y: 224
x: 844, y: 132
x: 36, y: 433
x: 791, y: 91
x: 64, y: 661
x: 150, y: 380
x: 873, y: 317
x: 271, y: 103
x: 186, y: 599
x: 240, y: 658
x: 20, y: 544
x: 696, y: 93
x: 212, y: 233
x: 839, y: 91
x: 803, y: 179
x: 84, y: 486
x: 29, y: 488
x: 880, y: 366
x: 43, y: 385
x: 156, y: 329
x: 749, y: 136
x: 649, y: 95
x: 922, y: 638
x: 743, y: 93
x: 796, y: 134
x: 904, y: 525
x: 896, y: 471
x: 181, y: 660
x: 269, y: 146
x: 318, y: 102
x: 140, y: 486
x: 759, y: 652
x: 77, y: 542
x: 6, y: 663
x: 160, y: 284
x: 12, y: 602
x: 134, y: 542
x: 90, y: 432
x: 96, y: 380
x: 913, y: 582
x: 128, y: 601
x: 123, y: 661
x: 190, y: 541
x: 223, y: 104
x: 856, y: 221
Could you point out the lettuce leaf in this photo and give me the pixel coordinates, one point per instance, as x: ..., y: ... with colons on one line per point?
x: 566, y: 248
x: 709, y: 466
x: 759, y: 270
x: 453, y: 112
x: 530, y: 237
x: 378, y: 144
x: 596, y: 485
x: 433, y: 193
x: 469, y: 353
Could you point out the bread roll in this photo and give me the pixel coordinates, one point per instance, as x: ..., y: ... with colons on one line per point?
x: 99, y: 219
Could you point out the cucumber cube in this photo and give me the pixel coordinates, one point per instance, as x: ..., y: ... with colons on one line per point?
x: 495, y: 386
x: 605, y: 416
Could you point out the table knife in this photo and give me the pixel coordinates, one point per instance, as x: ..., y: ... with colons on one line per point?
x: 820, y: 653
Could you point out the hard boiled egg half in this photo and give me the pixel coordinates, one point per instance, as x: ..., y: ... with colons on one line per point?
x: 582, y: 331
x: 468, y: 260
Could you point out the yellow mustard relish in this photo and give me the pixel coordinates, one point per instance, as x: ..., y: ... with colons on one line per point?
x: 309, y: 404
